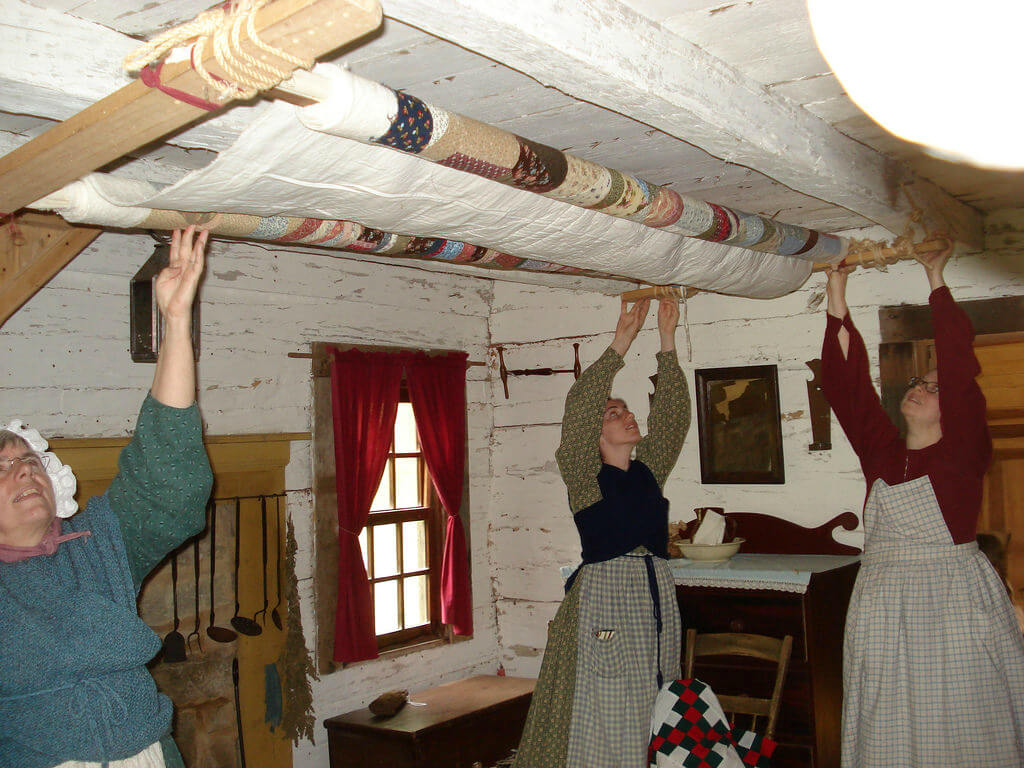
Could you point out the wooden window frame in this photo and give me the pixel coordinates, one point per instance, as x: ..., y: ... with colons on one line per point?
x: 432, y: 514
x: 325, y: 522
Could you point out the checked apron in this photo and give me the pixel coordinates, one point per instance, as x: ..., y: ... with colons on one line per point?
x: 933, y: 661
x: 617, y: 660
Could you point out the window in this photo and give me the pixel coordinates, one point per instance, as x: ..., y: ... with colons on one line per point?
x: 398, y: 542
x: 402, y: 543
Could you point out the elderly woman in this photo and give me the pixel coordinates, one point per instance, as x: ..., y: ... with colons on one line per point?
x: 933, y: 664
x: 74, y: 688
x: 616, y: 635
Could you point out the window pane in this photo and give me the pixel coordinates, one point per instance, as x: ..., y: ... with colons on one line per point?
x: 416, y: 612
x: 362, y: 546
x: 414, y: 546
x: 405, y: 430
x: 407, y: 483
x: 385, y: 550
x: 382, y: 499
x: 385, y: 607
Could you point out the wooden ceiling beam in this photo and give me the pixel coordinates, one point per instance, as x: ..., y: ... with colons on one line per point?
x: 136, y: 115
x: 604, y: 52
x: 33, y: 248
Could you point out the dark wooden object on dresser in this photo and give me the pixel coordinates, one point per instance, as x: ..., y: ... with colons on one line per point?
x: 479, y: 719
x: 808, y: 730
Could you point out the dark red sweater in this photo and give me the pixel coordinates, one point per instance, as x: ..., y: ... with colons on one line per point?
x: 957, y: 463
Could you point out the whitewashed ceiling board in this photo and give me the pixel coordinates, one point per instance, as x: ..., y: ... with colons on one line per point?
x: 604, y: 52
x: 768, y: 40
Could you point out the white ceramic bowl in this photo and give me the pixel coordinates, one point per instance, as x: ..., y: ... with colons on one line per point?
x: 710, y: 553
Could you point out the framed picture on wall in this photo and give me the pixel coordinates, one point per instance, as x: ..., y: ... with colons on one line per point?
x: 739, y: 424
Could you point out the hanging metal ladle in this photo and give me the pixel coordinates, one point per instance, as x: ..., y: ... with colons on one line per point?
x: 263, y: 562
x: 195, y: 628
x: 215, y: 633
x: 241, y: 623
x: 274, y: 615
x: 174, y: 642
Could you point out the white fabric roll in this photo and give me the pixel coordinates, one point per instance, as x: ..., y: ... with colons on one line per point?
x: 84, y: 202
x: 356, y: 106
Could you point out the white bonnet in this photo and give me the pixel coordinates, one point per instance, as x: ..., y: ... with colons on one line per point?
x: 61, y: 476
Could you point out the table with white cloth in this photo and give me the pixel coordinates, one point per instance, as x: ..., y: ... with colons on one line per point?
x: 805, y: 596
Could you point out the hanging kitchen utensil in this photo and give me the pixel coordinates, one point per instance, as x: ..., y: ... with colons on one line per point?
x: 274, y: 615
x: 238, y: 713
x: 174, y: 642
x: 241, y: 623
x: 263, y: 566
x: 195, y: 591
x: 215, y: 633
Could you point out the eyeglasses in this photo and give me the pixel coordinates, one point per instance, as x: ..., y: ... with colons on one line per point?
x: 34, y: 461
x: 929, y: 386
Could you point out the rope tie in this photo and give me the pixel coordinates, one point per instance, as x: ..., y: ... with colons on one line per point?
x: 222, y: 28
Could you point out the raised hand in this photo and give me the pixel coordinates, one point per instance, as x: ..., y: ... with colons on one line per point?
x: 835, y: 289
x: 175, y: 286
x: 631, y: 320
x: 174, y: 380
x: 935, y: 261
x: 668, y: 320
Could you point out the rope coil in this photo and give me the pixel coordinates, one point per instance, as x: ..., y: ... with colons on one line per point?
x: 222, y: 28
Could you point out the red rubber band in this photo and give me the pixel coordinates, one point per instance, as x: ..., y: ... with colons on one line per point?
x: 150, y: 76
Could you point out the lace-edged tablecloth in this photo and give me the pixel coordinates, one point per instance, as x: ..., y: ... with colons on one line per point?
x: 783, y: 573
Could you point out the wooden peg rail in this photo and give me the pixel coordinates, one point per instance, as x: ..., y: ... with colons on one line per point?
x: 506, y: 372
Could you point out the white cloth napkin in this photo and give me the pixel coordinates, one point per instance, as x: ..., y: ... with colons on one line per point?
x: 711, y: 529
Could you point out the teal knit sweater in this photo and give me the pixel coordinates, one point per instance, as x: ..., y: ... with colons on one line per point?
x: 73, y: 650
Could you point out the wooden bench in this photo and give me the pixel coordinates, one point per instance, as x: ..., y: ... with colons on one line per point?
x: 476, y: 720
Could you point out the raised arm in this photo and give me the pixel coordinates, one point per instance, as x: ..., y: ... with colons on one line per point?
x: 579, y: 453
x: 846, y: 376
x: 164, y: 475
x: 669, y: 419
x: 174, y: 380
x: 961, y: 402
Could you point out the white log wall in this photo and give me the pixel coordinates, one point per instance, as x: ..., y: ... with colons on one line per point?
x: 68, y: 372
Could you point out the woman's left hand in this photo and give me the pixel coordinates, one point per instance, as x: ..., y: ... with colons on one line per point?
x: 175, y: 286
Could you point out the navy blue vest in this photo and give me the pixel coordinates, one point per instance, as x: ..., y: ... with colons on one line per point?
x: 631, y: 513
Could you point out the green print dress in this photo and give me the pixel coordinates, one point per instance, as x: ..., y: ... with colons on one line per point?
x: 617, y: 632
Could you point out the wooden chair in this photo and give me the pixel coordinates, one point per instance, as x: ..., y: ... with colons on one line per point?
x: 754, y: 646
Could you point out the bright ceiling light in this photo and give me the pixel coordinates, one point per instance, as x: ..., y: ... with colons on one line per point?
x: 942, y: 73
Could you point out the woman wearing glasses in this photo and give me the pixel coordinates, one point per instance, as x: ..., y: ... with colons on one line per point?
x: 933, y: 664
x: 74, y: 688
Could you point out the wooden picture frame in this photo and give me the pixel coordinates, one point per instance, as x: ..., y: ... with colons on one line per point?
x: 739, y: 425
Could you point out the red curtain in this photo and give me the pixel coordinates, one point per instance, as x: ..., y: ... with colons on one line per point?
x: 437, y: 389
x: 364, y: 398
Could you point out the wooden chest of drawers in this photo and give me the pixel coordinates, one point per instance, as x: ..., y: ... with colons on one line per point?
x: 479, y: 719
x: 808, y: 730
